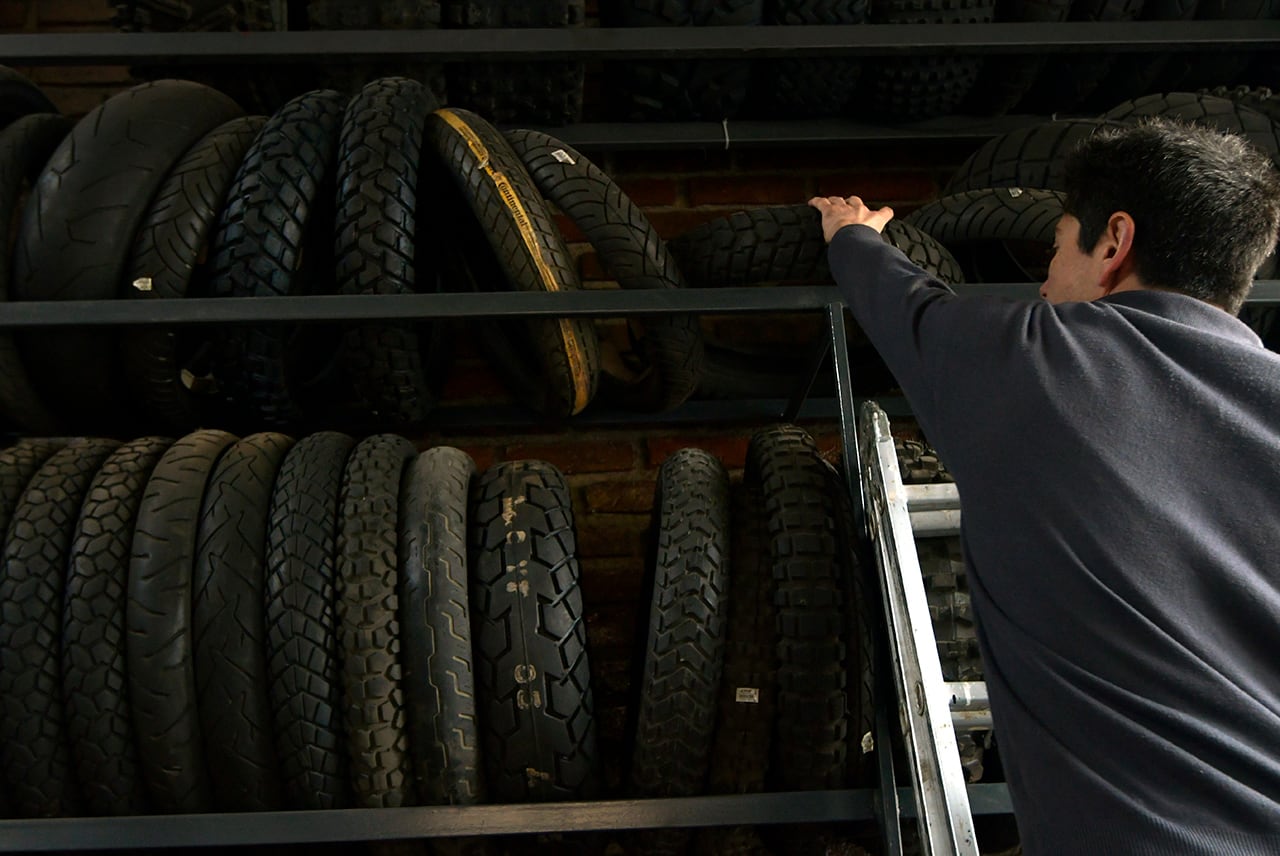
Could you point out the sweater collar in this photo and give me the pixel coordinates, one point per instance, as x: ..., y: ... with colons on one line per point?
x: 1185, y: 309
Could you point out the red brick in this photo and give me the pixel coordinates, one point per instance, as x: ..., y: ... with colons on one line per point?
x: 81, y: 75
x: 619, y: 496
x: 611, y: 626
x: 731, y: 450
x: 616, y: 580
x: 569, y: 229
x: 879, y: 188
x: 473, y: 382
x: 672, y: 222
x: 576, y: 456
x: 651, y: 192
x: 77, y: 100
x: 748, y: 190
x: 590, y: 269
x: 605, y: 535
x: 666, y: 163
x: 484, y: 456
x: 13, y: 14
x: 74, y: 12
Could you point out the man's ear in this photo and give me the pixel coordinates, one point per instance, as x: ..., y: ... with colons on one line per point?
x: 1114, y: 251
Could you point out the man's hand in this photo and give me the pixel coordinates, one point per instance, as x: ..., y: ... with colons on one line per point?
x: 838, y: 213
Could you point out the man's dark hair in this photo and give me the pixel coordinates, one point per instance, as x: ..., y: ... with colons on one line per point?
x: 1206, y: 205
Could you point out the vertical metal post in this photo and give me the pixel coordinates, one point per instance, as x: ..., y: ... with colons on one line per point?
x: 817, y: 358
x: 851, y: 453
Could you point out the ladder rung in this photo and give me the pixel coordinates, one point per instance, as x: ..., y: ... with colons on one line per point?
x: 935, y: 524
x: 932, y: 497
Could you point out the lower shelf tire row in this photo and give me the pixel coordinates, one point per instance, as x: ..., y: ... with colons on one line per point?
x: 217, y: 623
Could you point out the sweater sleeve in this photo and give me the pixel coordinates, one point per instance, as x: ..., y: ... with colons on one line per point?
x: 943, y: 349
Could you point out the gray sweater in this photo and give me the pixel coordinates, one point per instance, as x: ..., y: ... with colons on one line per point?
x: 1119, y: 469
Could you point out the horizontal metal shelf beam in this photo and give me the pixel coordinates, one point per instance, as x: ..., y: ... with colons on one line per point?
x: 734, y: 133
x: 405, y: 307
x: 625, y: 43
x: 984, y: 798
x: 198, y: 830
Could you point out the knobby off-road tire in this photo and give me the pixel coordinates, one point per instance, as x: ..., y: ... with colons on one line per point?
x: 167, y: 370
x: 158, y: 618
x: 1004, y: 80
x: 369, y: 623
x: 668, y: 348
x: 532, y: 672
x: 377, y: 247
x: 784, y: 243
x: 1208, y: 111
x: 79, y: 222
x: 302, y: 642
x: 683, y: 89
x: 682, y: 655
x: 516, y: 245
x: 34, y: 757
x: 811, y: 732
x: 1028, y: 157
x: 861, y: 600
x: 230, y: 629
x: 1138, y: 74
x: 275, y: 239
x: 807, y: 88
x: 1065, y: 82
x: 740, y: 753
x: 439, y: 675
x: 989, y: 230
x: 543, y: 93
x: 922, y: 87
x: 25, y: 147
x: 20, y: 97
x: 1195, y: 69
x: 94, y: 674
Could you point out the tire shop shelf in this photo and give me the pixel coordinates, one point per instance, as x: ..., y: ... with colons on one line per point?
x: 888, y: 803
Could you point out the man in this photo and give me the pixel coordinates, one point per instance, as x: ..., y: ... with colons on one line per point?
x: 1117, y: 451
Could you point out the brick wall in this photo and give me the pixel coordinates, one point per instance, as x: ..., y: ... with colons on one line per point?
x: 611, y: 470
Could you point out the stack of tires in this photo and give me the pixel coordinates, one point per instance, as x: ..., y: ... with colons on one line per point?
x: 246, y: 624
x: 167, y: 191
x: 216, y: 623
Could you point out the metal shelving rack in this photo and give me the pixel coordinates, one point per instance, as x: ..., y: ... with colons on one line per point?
x: 888, y: 803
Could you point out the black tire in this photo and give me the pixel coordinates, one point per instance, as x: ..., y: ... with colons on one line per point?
x: 807, y: 88
x: 34, y: 756
x: 532, y: 672
x: 513, y: 242
x: 94, y: 674
x: 439, y: 676
x: 275, y: 238
x: 375, y: 15
x: 1133, y: 75
x: 1196, y: 69
x: 1033, y: 156
x: 18, y: 463
x: 1065, y: 82
x: 862, y: 605
x: 20, y: 97
x: 784, y: 243
x: 230, y: 629
x: 1208, y: 111
x: 947, y: 590
x: 542, y: 93
x: 167, y: 370
x: 302, y: 641
x: 159, y: 649
x: 369, y: 623
x: 669, y: 348
x: 682, y: 655
x: 377, y: 248
x: 998, y: 234
x: 1004, y: 80
x: 680, y: 90
x: 79, y: 222
x: 811, y: 733
x: 741, y: 753
x: 926, y: 86
x: 25, y: 146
